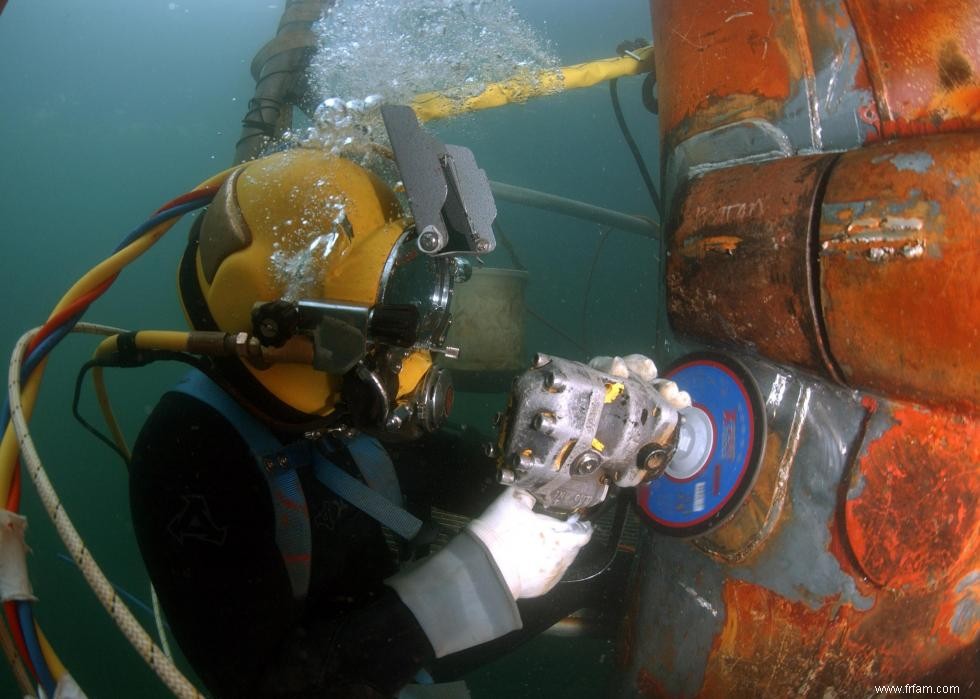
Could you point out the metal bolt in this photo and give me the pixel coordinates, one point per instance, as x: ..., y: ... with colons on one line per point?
x: 652, y: 458
x: 553, y: 383
x: 430, y: 241
x: 490, y: 450
x: 523, y: 462
x: 544, y: 422
x: 483, y: 246
x: 506, y: 477
x: 269, y: 327
x: 541, y: 360
x: 585, y: 464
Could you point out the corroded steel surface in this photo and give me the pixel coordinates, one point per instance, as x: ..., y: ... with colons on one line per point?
x: 871, y: 575
x: 739, y: 267
x: 855, y: 560
x: 923, y: 60
x: 900, y: 268
x: 789, y: 71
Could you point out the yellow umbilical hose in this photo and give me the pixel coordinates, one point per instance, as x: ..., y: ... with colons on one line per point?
x: 171, y: 340
x: 98, y: 274
x: 520, y: 88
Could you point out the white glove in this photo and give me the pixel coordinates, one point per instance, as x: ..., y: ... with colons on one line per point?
x: 464, y: 595
x: 643, y: 368
x: 532, y: 551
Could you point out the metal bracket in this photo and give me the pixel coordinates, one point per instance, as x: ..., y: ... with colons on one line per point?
x: 448, y: 193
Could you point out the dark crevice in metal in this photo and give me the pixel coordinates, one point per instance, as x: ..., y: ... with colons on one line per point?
x: 813, y: 268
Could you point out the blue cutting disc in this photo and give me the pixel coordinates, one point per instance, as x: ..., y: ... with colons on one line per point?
x: 719, y: 449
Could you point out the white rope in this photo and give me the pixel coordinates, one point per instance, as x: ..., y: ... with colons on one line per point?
x: 16, y: 664
x: 131, y: 629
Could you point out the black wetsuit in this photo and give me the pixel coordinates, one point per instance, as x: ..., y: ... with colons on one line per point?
x: 204, y: 522
x: 203, y: 517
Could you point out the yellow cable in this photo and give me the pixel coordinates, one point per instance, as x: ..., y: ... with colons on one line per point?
x: 520, y: 88
x: 169, y: 340
x: 94, y: 277
x: 110, y: 418
x: 174, y: 341
x: 55, y: 665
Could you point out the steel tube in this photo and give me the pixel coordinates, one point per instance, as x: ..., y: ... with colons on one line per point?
x: 575, y: 209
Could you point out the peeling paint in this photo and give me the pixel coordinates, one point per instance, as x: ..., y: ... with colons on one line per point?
x: 776, y: 393
x: 966, y: 618
x: 884, y: 225
x: 913, y: 250
x: 914, y: 162
x: 797, y: 562
x: 737, y: 15
x: 702, y: 602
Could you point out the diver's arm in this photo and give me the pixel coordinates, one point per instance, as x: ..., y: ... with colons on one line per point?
x: 466, y: 594
x: 370, y: 652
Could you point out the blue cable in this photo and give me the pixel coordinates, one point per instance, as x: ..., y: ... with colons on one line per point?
x: 159, y: 218
x: 39, y: 353
x: 26, y: 617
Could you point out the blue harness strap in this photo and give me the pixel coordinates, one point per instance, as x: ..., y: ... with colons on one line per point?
x: 379, y: 499
x: 384, y: 509
x: 293, y: 537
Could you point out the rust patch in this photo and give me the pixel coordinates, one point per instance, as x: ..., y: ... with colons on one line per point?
x: 954, y: 68
x: 699, y: 247
x: 770, y: 646
x: 739, y: 270
x: 648, y: 686
x: 916, y: 518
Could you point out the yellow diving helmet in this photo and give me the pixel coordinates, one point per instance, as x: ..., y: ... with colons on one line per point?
x: 303, y: 246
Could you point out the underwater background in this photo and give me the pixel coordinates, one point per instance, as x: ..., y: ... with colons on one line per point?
x: 113, y: 107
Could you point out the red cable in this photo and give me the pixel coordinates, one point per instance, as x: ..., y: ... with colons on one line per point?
x: 56, y: 321
x: 13, y: 499
x: 10, y: 611
x: 195, y: 194
x: 73, y: 309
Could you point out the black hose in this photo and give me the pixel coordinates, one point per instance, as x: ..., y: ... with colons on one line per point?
x: 634, y: 149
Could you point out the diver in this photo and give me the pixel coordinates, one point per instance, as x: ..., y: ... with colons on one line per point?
x: 258, y: 493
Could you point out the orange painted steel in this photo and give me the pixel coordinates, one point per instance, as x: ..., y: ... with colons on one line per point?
x: 889, y: 230
x: 923, y: 59
x: 843, y: 267
x: 897, y: 68
x: 900, y: 268
x: 792, y: 64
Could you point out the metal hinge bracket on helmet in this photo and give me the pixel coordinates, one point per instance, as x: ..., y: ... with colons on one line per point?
x: 449, y: 195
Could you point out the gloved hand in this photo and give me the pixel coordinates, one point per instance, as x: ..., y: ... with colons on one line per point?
x: 532, y: 551
x: 642, y: 367
x: 465, y: 594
